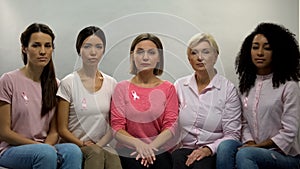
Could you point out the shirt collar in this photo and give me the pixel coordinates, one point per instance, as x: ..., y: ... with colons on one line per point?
x: 214, y: 83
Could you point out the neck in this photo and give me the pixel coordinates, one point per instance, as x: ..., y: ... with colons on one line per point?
x: 204, y: 77
x: 33, y: 73
x: 89, y: 72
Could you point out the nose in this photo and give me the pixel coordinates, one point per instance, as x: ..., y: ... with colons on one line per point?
x: 200, y: 57
x: 93, y: 51
x: 42, y: 51
x: 260, y: 51
x: 145, y: 56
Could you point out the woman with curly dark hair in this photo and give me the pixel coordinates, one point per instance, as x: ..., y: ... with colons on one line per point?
x: 268, y: 70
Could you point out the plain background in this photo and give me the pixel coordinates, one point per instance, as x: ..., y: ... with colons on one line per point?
x: 174, y: 21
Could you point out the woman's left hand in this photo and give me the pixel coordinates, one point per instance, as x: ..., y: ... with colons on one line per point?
x: 198, y: 154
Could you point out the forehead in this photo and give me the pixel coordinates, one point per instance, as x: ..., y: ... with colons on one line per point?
x: 145, y: 44
x: 93, y: 39
x: 40, y: 37
x: 260, y: 38
x: 201, y: 45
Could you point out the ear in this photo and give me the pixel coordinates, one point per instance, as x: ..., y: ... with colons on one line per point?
x: 24, y: 49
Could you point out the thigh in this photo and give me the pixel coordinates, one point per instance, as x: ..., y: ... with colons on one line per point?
x: 112, y: 160
x: 163, y: 161
x: 205, y: 163
x: 265, y: 158
x: 69, y: 156
x: 179, y: 158
x: 27, y: 156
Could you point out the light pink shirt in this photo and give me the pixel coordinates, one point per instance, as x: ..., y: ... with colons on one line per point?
x: 25, y: 97
x: 144, y: 112
x: 209, y: 117
x: 273, y: 113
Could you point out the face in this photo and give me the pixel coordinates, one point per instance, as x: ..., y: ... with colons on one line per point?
x: 91, y: 50
x: 145, y: 55
x: 261, y: 54
x: 39, y: 50
x: 202, y: 57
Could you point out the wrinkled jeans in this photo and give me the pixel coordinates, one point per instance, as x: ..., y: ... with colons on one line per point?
x: 229, y: 157
x: 42, y: 156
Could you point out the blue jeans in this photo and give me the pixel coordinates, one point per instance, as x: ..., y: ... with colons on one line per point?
x: 255, y: 158
x: 226, y: 153
x: 42, y: 156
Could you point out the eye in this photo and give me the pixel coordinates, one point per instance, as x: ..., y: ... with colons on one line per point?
x: 48, y: 45
x: 151, y: 52
x: 194, y: 52
x: 86, y: 46
x: 255, y: 47
x: 205, y: 51
x: 267, y: 47
x: 140, y: 52
x: 35, y: 45
x: 99, y: 46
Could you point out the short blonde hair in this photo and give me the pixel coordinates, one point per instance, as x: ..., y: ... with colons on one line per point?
x: 200, y: 37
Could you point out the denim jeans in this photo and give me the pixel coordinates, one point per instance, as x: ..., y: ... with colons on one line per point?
x: 42, y: 156
x: 255, y: 158
x: 226, y: 153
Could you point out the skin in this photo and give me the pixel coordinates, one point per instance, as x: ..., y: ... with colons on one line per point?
x: 145, y: 56
x: 202, y: 58
x: 91, y: 52
x: 261, y: 54
x: 39, y: 53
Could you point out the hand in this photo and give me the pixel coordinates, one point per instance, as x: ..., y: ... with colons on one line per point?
x: 198, y: 154
x: 145, y: 152
x: 249, y: 144
x: 87, y: 143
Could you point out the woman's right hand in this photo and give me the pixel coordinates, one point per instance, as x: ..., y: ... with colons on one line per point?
x: 145, y: 152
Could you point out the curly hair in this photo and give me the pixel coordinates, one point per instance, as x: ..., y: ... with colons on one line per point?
x: 285, y: 57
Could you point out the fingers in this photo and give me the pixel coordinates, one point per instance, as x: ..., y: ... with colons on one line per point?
x: 197, y: 154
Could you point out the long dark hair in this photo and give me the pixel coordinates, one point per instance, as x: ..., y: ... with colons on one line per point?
x: 285, y: 57
x: 48, y: 79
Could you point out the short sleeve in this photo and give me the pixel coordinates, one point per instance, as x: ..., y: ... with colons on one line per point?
x: 6, y: 88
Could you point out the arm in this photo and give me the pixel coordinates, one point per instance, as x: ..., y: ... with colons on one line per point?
x: 63, y: 121
x: 6, y: 134
x: 52, y: 136
x: 105, y: 139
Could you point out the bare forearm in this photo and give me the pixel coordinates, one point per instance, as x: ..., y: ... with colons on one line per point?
x: 105, y: 139
x: 162, y: 138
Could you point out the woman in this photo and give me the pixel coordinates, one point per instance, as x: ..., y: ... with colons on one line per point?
x: 209, y: 110
x: 268, y: 69
x: 28, y: 130
x: 144, y: 108
x: 84, y: 103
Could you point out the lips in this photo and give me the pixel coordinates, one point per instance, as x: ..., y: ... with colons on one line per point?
x: 42, y: 59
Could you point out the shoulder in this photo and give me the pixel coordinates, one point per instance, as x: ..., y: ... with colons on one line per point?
x: 183, y: 80
x: 220, y: 79
x: 10, y: 76
x: 109, y: 78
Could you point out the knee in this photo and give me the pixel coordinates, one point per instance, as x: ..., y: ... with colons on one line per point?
x: 45, y: 153
x: 73, y: 151
x: 244, y: 154
x: 177, y: 155
x: 228, y: 146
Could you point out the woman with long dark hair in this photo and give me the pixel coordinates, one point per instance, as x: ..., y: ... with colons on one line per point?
x: 28, y: 132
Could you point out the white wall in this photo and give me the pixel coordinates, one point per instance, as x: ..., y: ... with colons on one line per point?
x: 175, y: 21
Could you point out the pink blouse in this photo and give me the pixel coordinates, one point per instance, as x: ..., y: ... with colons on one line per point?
x: 144, y: 112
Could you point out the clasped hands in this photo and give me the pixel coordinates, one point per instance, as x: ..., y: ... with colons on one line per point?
x: 145, y: 152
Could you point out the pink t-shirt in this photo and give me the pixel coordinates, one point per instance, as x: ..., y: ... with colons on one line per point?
x: 25, y: 97
x: 144, y: 112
